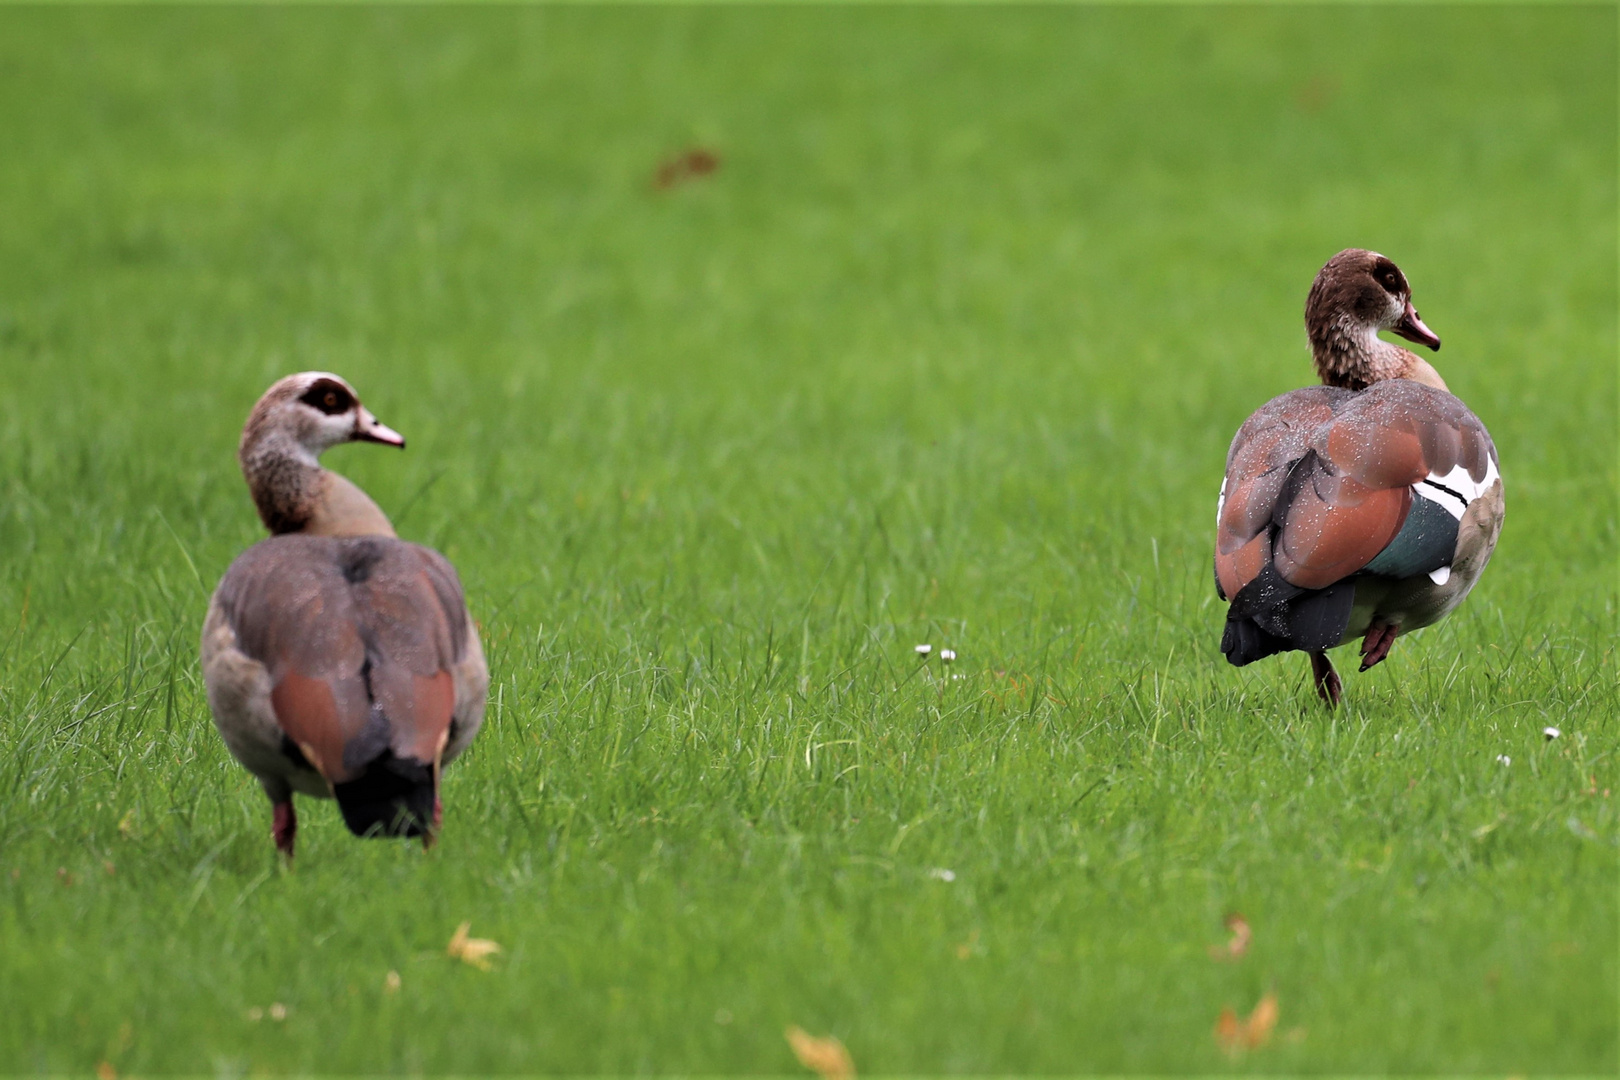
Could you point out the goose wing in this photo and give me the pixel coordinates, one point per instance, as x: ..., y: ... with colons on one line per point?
x: 362, y: 639
x: 1320, y: 481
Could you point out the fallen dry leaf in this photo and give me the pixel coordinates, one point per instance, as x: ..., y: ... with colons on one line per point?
x: 1239, y: 943
x: 392, y: 982
x: 1317, y: 92
x: 471, y: 950
x: 686, y: 166
x: 105, y: 1071
x: 1236, y: 1036
x: 824, y: 1056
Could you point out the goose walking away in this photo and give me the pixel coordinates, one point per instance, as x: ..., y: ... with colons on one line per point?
x: 1363, y: 508
x: 340, y: 660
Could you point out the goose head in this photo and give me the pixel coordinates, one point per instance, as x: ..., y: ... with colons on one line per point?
x: 294, y: 423
x: 311, y: 412
x: 1356, y: 295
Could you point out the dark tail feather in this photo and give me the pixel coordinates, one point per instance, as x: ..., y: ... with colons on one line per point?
x: 1269, y: 615
x: 1244, y: 641
x: 393, y: 797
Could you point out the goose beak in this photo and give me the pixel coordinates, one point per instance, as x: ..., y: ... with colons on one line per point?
x: 369, y: 429
x: 1411, y: 328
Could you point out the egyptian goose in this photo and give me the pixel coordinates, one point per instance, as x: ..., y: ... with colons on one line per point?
x: 1366, y: 507
x: 340, y: 660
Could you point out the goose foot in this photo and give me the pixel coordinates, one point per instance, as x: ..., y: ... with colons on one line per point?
x: 1375, y: 646
x: 1328, y: 686
x: 284, y: 826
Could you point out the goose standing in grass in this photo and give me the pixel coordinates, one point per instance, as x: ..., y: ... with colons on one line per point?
x: 1366, y: 507
x: 340, y: 660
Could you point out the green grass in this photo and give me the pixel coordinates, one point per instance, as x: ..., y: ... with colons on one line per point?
x: 948, y: 350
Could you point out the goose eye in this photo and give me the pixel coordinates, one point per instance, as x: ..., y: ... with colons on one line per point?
x: 329, y: 399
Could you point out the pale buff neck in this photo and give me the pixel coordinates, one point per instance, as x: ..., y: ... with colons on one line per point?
x: 295, y: 494
x: 1355, y: 357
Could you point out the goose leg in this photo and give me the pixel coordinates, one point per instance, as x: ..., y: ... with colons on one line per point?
x: 431, y: 833
x: 1328, y: 686
x: 1375, y: 646
x: 284, y: 826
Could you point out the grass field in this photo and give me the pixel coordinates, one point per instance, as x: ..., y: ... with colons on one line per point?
x: 948, y: 350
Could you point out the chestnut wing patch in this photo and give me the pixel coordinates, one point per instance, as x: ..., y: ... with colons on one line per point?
x: 1331, y: 525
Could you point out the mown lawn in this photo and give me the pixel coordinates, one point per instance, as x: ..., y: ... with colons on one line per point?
x: 947, y: 349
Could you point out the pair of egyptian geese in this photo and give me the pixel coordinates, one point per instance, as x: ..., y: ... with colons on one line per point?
x: 341, y: 661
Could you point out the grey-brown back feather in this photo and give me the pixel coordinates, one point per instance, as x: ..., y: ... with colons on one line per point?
x: 370, y: 618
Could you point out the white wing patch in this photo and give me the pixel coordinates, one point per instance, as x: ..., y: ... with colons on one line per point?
x: 1220, y: 503
x: 1440, y: 575
x: 1455, y: 490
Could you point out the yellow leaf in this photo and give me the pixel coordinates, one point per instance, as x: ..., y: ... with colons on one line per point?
x: 392, y: 982
x: 1262, y: 1021
x: 471, y: 950
x: 1239, y: 943
x: 1236, y: 1036
x: 824, y: 1056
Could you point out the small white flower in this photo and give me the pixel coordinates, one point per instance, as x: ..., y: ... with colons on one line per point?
x: 947, y: 655
x: 924, y: 650
x: 939, y: 873
x: 1504, y: 759
x: 1551, y: 733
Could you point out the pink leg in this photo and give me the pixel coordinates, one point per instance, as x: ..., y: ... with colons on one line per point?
x: 1375, y: 646
x: 1328, y: 686
x: 432, y: 834
x: 284, y: 826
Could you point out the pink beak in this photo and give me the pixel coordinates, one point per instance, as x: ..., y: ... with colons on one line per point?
x: 369, y: 429
x: 1411, y: 328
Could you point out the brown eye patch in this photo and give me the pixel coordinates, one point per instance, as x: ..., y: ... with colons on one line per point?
x: 1387, y: 275
x: 329, y: 397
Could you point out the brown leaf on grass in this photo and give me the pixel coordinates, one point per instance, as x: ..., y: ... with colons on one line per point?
x: 1317, y: 92
x: 1235, y: 1036
x: 105, y: 1071
x: 687, y: 165
x: 392, y: 982
x: 1239, y: 943
x: 471, y: 950
x: 825, y: 1057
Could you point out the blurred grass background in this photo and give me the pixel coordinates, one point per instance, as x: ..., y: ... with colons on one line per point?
x: 948, y: 349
